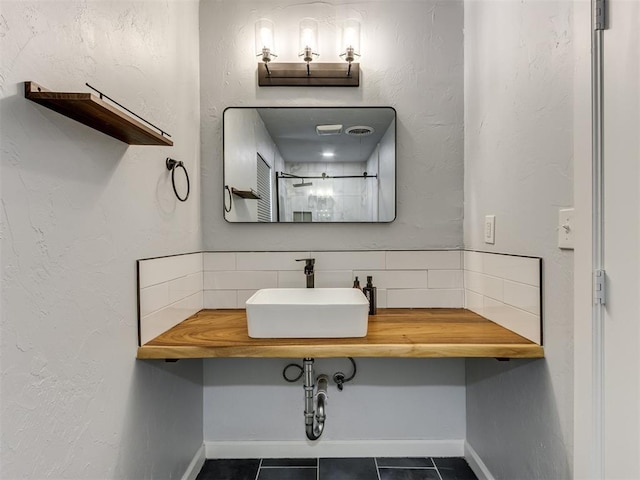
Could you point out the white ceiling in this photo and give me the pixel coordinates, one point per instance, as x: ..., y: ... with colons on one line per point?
x: 293, y: 129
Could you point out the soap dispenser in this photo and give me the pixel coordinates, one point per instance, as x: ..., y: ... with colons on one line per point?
x: 370, y: 292
x: 356, y: 284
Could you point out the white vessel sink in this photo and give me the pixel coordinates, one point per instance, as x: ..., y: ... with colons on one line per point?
x: 307, y: 313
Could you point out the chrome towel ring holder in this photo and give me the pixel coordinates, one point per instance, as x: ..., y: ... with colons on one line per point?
x: 173, y: 165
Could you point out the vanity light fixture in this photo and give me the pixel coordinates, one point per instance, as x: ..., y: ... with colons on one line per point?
x: 308, y: 41
x: 350, y: 41
x: 272, y: 74
x: 264, y: 41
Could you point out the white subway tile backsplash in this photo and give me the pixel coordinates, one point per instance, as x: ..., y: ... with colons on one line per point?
x: 474, y: 302
x: 473, y: 281
x: 335, y: 279
x: 372, y: 260
x: 381, y: 298
x: 162, y: 320
x: 394, y: 278
x: 518, y: 269
x: 216, y: 299
x: 423, y: 298
x: 500, y: 287
x: 159, y: 270
x: 270, y: 260
x: 322, y: 279
x: 447, y: 298
x: 170, y: 291
x: 154, y: 298
x: 225, y: 261
x: 444, y: 278
x: 522, y: 296
x: 506, y: 290
x: 243, y: 296
x: 424, y: 260
x: 289, y: 279
x: 484, y: 284
x: 182, y: 287
x: 240, y: 280
x: 521, y: 322
x: 473, y: 261
x: 492, y: 287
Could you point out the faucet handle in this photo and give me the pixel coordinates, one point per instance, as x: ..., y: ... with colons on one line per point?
x: 308, y: 261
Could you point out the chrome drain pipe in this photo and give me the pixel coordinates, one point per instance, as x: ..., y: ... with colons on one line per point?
x: 314, y: 411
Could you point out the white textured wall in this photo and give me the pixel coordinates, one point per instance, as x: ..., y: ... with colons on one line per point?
x: 373, y: 167
x: 245, y: 135
x: 386, y: 187
x: 389, y: 399
x: 424, y: 84
x: 78, y: 208
x: 518, y: 166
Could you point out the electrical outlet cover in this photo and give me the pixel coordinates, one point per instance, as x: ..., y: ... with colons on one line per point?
x: 490, y: 229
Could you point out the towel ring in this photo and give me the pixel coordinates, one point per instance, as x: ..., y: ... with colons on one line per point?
x: 227, y: 190
x: 173, y: 165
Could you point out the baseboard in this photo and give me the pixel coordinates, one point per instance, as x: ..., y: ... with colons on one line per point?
x: 196, y: 465
x: 476, y: 463
x: 335, y: 448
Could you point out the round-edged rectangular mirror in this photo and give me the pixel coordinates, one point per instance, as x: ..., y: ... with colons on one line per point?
x: 310, y: 164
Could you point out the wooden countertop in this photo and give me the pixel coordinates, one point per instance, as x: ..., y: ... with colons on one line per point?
x: 402, y: 332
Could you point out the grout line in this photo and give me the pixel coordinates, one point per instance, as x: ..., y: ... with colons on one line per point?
x: 407, y: 468
x: 318, y: 468
x: 437, y: 470
x: 377, y: 468
x: 265, y: 467
x: 259, y: 468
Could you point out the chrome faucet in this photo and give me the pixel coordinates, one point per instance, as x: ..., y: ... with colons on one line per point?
x: 308, y: 270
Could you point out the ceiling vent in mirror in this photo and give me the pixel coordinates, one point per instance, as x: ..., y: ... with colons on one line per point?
x: 328, y: 129
x: 359, y: 131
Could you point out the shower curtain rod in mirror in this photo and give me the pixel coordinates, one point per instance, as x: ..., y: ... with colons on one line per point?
x: 281, y: 175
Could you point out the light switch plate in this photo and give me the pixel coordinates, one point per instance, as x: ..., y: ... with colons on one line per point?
x: 490, y: 229
x: 566, y: 228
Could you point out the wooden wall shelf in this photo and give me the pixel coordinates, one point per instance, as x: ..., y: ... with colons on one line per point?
x: 94, y: 112
x: 249, y: 194
x: 437, y: 332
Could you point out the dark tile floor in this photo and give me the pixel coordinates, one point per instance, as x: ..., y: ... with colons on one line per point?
x: 408, y: 468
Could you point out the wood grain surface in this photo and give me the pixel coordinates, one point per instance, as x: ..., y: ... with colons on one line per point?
x: 429, y: 332
x: 94, y: 112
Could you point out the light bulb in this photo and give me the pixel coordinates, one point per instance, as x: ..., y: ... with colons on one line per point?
x: 308, y: 39
x: 264, y: 39
x: 350, y: 39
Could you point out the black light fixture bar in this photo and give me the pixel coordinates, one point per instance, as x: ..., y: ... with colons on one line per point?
x: 318, y: 75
